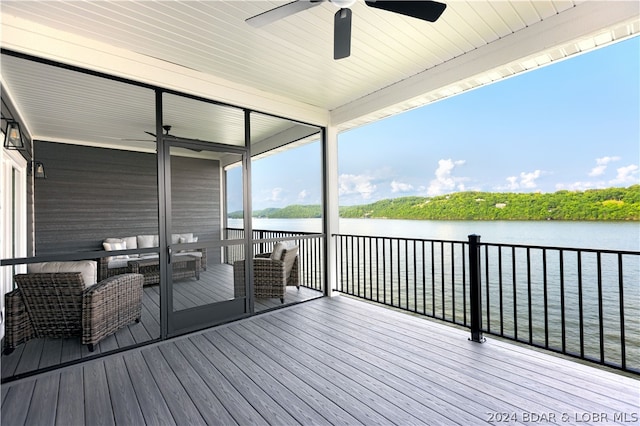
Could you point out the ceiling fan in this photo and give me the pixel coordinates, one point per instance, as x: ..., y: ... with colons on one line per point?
x: 167, y: 129
x: 425, y: 10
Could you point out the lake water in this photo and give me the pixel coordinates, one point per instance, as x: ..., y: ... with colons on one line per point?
x: 595, y: 235
x: 410, y: 285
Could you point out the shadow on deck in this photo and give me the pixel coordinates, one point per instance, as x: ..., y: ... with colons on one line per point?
x: 327, y: 361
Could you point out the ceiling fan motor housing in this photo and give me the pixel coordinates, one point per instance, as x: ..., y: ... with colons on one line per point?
x: 342, y: 3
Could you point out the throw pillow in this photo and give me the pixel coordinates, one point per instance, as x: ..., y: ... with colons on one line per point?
x: 146, y: 241
x: 187, y: 238
x: 276, y: 254
x: 115, y: 246
x: 131, y: 243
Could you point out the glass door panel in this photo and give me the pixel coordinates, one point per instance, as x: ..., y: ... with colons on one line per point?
x: 203, y: 288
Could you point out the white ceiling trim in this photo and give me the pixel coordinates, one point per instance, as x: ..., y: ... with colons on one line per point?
x: 571, y: 32
x: 38, y: 40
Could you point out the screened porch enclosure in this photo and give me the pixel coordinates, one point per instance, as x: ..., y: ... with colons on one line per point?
x: 150, y: 201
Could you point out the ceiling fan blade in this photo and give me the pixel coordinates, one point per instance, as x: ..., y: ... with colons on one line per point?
x: 280, y: 12
x: 149, y: 133
x: 342, y: 34
x: 425, y: 10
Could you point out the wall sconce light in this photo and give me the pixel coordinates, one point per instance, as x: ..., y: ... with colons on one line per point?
x: 13, y: 136
x: 38, y: 170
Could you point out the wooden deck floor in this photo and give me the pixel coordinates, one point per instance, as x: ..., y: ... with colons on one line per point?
x: 326, y: 361
x: 215, y: 285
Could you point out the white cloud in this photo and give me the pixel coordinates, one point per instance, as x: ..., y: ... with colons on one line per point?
x: 356, y: 184
x: 577, y: 186
x: 627, y: 175
x: 601, y: 166
x: 444, y: 181
x: 302, y: 195
x: 400, y: 186
x: 513, y: 183
x: 526, y: 180
x: 275, y: 194
x: 598, y: 170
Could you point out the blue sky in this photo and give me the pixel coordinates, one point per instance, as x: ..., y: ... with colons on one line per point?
x: 571, y: 125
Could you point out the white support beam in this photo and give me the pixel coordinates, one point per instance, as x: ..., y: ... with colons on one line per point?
x: 332, y: 219
x: 283, y: 140
x: 586, y: 26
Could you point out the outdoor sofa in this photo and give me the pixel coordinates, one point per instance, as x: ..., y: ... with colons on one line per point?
x: 115, y: 265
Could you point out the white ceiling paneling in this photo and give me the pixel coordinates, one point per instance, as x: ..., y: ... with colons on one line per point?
x: 213, y: 38
x: 85, y: 109
x: 290, y: 62
x: 557, y: 37
x: 78, y: 107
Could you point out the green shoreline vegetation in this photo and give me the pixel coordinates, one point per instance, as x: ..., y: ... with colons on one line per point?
x: 611, y: 204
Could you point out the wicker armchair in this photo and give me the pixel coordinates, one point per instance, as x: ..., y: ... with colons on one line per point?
x: 270, y: 277
x: 59, y: 305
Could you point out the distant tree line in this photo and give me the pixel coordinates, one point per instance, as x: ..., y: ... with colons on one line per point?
x: 611, y: 204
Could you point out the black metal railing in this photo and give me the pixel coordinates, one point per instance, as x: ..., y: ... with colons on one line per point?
x: 310, y: 251
x: 583, y: 303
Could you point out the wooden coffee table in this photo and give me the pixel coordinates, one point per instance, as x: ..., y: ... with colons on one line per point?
x: 184, y: 266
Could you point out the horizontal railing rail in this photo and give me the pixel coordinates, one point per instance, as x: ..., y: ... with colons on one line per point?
x: 584, y: 303
x: 310, y: 251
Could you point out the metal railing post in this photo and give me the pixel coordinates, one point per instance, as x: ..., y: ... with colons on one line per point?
x: 475, y: 293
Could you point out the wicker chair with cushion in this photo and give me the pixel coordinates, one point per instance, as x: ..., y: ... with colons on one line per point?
x: 272, y: 273
x: 60, y: 305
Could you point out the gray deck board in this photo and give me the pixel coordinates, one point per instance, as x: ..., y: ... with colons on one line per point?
x: 449, y: 368
x: 178, y: 400
x: 51, y: 353
x: 255, y: 395
x: 531, y: 379
x: 71, y: 350
x: 230, y: 397
x: 126, y: 409
x: 70, y: 410
x: 209, y: 406
x: 10, y: 363
x: 107, y: 344
x: 215, y: 285
x: 152, y: 404
x: 379, y: 371
x: 17, y: 403
x: 322, y: 374
x: 266, y: 374
x: 30, y: 359
x: 436, y: 379
x: 327, y: 361
x: 97, y: 398
x: 46, y: 392
x: 535, y: 377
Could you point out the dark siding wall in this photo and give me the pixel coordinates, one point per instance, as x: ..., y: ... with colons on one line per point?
x: 94, y: 193
x: 195, y: 192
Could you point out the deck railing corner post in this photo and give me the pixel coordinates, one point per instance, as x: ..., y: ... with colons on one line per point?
x: 475, y: 293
